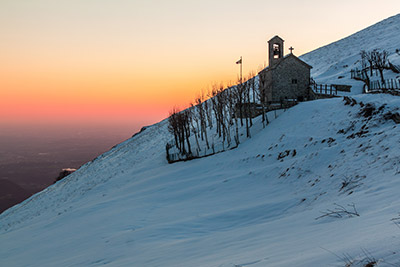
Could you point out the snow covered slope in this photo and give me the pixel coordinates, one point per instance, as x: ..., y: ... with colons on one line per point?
x: 243, y: 207
x: 335, y: 60
x: 256, y: 205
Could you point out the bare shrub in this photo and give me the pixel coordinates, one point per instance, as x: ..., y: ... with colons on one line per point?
x: 340, y: 211
x: 396, y: 220
x: 349, y: 183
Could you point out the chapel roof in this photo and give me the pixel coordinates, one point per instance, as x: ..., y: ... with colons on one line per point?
x: 283, y: 59
x: 276, y: 37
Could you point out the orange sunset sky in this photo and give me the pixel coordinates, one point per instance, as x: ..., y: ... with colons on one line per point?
x: 120, y: 61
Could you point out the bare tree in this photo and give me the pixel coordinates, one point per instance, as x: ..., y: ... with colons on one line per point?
x: 202, y: 117
x: 368, y: 57
x: 194, y: 123
x: 251, y: 96
x: 173, y: 126
x: 219, y: 101
x: 228, y: 114
x: 376, y: 60
x: 364, y: 61
x: 246, y: 106
x: 262, y: 98
x: 221, y: 104
x: 185, y: 124
x: 380, y: 62
x: 207, y: 112
x: 238, y: 95
x: 179, y: 126
x: 232, y: 110
x: 214, y: 107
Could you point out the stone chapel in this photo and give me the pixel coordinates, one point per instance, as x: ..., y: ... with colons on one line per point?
x: 286, y: 77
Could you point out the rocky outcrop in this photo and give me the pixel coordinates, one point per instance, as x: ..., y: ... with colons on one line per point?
x: 64, y: 172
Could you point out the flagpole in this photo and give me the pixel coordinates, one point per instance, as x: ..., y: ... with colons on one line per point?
x: 241, y: 66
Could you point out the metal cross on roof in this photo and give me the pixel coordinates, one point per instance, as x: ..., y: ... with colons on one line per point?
x: 291, y: 50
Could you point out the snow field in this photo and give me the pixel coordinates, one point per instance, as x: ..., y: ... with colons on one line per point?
x: 241, y: 207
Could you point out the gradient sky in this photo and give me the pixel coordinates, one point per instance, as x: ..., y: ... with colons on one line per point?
x: 120, y: 61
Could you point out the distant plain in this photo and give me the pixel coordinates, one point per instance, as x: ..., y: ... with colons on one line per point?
x: 31, y: 157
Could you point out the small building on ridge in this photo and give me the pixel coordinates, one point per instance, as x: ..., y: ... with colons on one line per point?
x: 286, y: 77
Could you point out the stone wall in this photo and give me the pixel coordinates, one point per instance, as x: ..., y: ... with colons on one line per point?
x: 266, y: 84
x: 290, y: 79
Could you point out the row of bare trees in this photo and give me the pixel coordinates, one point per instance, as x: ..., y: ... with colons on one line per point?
x: 375, y: 59
x: 221, y: 113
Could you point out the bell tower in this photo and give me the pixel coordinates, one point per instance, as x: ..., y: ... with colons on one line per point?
x: 275, y: 50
